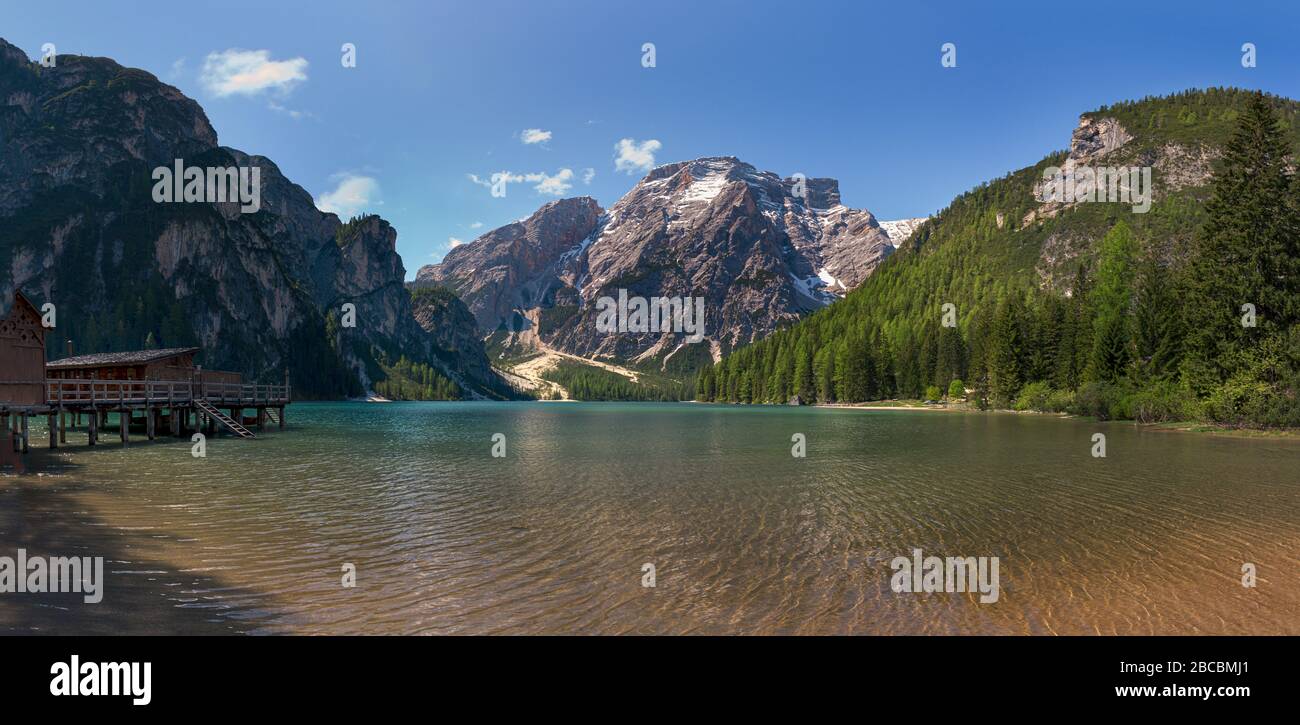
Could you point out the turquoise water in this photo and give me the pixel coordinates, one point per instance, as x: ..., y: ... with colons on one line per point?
x: 744, y: 537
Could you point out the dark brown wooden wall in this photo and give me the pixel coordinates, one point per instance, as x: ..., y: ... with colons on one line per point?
x: 22, y: 356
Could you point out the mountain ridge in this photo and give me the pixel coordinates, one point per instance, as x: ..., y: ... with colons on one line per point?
x: 259, y: 292
x: 760, y: 249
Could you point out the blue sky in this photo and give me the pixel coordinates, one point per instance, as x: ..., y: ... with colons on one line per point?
x: 443, y: 91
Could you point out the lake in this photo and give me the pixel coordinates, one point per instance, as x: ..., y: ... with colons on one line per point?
x: 743, y: 536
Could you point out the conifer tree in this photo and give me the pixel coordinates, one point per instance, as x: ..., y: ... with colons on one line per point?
x: 1244, y: 250
x: 1157, y: 320
x: 803, y: 372
x: 1113, y: 301
x: 1006, y: 351
x: 1081, y: 324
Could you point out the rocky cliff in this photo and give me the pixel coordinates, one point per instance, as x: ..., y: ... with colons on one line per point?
x: 80, y: 226
x: 452, y: 329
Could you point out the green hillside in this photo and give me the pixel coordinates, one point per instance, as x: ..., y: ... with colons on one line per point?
x: 1030, y: 293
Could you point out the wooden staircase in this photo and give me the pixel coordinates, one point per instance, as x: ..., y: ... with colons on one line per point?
x: 231, y: 424
x: 272, y: 416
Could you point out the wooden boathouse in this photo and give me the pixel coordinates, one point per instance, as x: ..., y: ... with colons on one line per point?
x: 22, y: 354
x: 161, y: 391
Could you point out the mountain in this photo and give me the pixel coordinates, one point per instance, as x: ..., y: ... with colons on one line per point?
x: 1016, y: 266
x: 260, y: 291
x: 451, y: 328
x: 1002, y: 236
x: 759, y: 250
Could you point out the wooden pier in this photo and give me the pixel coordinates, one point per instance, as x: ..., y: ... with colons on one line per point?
x: 161, y: 407
x: 161, y: 388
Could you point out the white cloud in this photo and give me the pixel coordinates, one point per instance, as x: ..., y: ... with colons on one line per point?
x: 250, y: 72
x: 588, y: 174
x: 291, y: 113
x: 353, y: 195
x: 631, y: 156
x: 508, y: 177
x: 534, y: 135
x: 476, y: 225
x: 556, y: 184
x: 454, y: 242
x: 178, y: 68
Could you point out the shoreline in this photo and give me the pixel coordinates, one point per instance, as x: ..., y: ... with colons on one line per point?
x: 883, y: 405
x: 1186, y: 426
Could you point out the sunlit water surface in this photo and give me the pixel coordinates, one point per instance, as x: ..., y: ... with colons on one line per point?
x: 744, y: 537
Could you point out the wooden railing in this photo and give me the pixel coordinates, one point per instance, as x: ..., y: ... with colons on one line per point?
x: 243, y: 392
x: 76, y: 392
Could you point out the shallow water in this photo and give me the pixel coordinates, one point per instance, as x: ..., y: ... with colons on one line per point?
x: 744, y: 537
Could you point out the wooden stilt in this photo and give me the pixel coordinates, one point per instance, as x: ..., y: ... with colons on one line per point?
x: 26, y: 442
x: 150, y: 417
x: 92, y: 421
x: 63, y: 415
x: 281, y: 417
x: 124, y: 426
x: 54, y: 430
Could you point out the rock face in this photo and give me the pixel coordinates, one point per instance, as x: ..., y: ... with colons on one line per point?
x: 260, y: 292
x: 453, y: 331
x: 1101, y: 141
x: 759, y: 250
x: 513, y: 267
x: 1096, y: 137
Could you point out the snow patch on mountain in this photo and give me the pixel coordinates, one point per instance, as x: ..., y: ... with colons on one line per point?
x: 900, y: 229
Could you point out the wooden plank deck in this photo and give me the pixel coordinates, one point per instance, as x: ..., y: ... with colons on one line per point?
x: 181, y: 400
x: 73, y: 393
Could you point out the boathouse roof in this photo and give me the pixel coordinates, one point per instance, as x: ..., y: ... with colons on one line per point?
x: 107, y: 359
x: 6, y: 306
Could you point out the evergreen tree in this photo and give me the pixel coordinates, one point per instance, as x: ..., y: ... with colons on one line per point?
x: 907, y: 368
x: 1081, y: 325
x: 854, y: 366
x: 824, y: 372
x: 804, y: 383
x: 881, y: 382
x: 1048, y: 329
x: 1157, y: 320
x: 840, y: 351
x: 928, y: 361
x: 981, y: 349
x: 1113, y: 301
x: 1241, y: 254
x: 745, y: 391
x: 1006, y: 351
x: 952, y: 356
